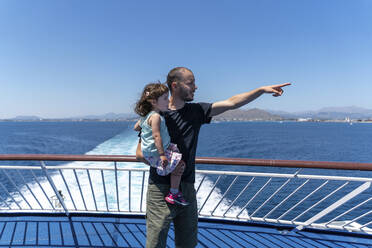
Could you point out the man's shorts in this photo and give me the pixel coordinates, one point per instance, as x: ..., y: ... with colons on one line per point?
x: 160, y: 214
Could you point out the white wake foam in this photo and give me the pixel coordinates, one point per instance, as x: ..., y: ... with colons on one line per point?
x: 123, y: 143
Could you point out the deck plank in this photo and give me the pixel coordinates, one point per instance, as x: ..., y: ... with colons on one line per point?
x: 94, y: 238
x: 289, y: 242
x: 243, y: 242
x: 31, y: 232
x: 259, y: 239
x: 131, y: 232
x: 206, y: 239
x: 128, y: 236
x: 19, y: 234
x: 308, y: 242
x: 2, y: 226
x: 43, y: 234
x: 81, y: 234
x: 226, y: 238
x: 55, y: 233
x: 103, y: 233
x: 116, y: 235
x: 66, y: 231
x: 171, y: 238
x: 141, y: 238
x: 8, y: 232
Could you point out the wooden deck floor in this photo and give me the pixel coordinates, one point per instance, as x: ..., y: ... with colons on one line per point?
x: 42, y: 231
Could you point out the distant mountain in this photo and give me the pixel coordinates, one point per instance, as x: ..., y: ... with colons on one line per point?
x: 329, y: 113
x: 247, y: 115
x: 283, y: 114
x: 350, y: 109
x: 108, y: 116
x: 232, y: 115
x: 26, y: 118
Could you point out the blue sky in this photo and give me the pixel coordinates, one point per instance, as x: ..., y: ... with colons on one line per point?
x: 70, y: 58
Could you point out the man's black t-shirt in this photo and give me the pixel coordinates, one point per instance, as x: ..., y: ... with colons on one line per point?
x: 183, y: 127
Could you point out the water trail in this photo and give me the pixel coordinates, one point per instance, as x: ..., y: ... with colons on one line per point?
x: 123, y: 143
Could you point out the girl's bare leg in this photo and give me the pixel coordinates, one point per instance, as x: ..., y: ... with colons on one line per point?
x: 175, y: 180
x: 176, y: 175
x: 175, y: 196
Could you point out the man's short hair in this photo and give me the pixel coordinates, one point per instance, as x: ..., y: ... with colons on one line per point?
x: 175, y: 75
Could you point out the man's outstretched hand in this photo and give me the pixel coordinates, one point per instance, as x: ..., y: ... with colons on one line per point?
x: 275, y: 89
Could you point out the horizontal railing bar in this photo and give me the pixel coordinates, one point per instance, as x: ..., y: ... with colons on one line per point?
x: 80, y: 211
x: 199, y: 160
x: 208, y: 172
x: 90, y: 167
x: 63, y: 157
x: 261, y: 174
x: 68, y: 167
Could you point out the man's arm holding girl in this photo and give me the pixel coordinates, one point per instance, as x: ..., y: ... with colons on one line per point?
x: 154, y: 122
x: 139, y: 155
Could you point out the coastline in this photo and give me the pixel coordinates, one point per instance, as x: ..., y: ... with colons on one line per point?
x: 213, y: 121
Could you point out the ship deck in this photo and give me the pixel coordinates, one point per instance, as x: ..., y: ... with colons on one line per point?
x: 130, y: 231
x: 102, y: 204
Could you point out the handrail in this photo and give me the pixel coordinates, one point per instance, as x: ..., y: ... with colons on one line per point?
x: 199, y: 160
x: 251, y: 196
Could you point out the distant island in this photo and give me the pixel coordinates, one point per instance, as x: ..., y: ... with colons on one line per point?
x: 332, y: 114
x: 344, y: 114
x: 247, y: 115
x: 91, y: 118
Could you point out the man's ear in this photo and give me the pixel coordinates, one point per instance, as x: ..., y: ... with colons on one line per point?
x: 174, y: 86
x: 152, y: 101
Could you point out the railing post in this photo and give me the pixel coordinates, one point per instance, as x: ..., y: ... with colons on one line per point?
x: 104, y: 189
x: 143, y: 185
x: 116, y: 185
x: 54, y: 188
x: 61, y: 201
x: 129, y: 190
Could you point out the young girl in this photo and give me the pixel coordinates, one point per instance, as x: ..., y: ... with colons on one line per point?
x: 155, y: 140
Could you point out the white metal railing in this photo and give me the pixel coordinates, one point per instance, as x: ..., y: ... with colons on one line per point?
x: 318, y: 201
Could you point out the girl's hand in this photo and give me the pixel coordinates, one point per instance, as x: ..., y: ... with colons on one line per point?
x: 137, y: 126
x: 164, y: 161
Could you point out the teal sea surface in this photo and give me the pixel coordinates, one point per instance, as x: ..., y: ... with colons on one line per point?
x: 258, y: 140
x: 266, y: 140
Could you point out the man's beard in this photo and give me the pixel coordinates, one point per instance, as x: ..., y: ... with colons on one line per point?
x: 186, y: 97
x: 189, y: 99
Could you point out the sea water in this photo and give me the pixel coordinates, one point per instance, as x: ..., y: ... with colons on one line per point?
x: 262, y: 140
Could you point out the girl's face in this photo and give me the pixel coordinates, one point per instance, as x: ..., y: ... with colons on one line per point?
x: 161, y: 104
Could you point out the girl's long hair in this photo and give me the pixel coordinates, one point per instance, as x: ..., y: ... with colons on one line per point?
x: 151, y: 91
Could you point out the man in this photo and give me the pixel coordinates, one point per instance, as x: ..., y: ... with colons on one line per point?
x: 184, y: 121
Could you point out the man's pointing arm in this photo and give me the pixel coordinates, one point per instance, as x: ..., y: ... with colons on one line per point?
x: 242, y: 99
